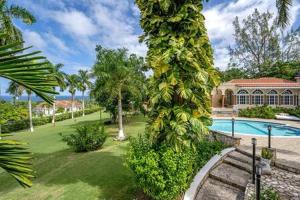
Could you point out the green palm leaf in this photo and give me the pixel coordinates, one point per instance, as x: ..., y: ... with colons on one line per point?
x: 27, y: 71
x: 16, y: 160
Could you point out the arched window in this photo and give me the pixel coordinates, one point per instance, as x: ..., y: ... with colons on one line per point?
x: 287, y: 97
x: 243, y: 97
x: 257, y: 97
x: 272, y: 97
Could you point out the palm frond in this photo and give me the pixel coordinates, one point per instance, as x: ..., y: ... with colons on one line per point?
x: 283, y: 7
x: 27, y: 71
x: 22, y: 13
x: 16, y: 160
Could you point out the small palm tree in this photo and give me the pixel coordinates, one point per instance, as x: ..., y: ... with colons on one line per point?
x: 60, y: 78
x: 72, y: 83
x: 16, y: 90
x: 29, y: 93
x: 13, y: 34
x: 84, y: 84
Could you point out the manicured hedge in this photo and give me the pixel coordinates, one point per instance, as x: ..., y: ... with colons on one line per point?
x: 267, y: 112
x: 17, y: 125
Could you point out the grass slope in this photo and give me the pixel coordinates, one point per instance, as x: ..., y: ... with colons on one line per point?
x: 63, y: 174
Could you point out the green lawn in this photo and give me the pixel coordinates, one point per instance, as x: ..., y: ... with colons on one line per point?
x: 63, y: 174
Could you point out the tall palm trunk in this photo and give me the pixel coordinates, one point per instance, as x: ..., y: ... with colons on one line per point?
x: 72, y: 107
x: 121, y: 134
x: 54, y: 111
x: 30, y: 112
x: 83, y: 103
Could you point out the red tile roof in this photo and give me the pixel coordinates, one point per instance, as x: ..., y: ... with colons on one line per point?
x: 61, y: 103
x: 264, y: 82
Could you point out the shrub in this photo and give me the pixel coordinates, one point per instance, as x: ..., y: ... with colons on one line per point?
x: 266, y: 153
x: 165, y: 173
x: 16, y: 125
x: 161, y: 173
x: 265, y: 112
x: 267, y: 194
x: 207, y: 149
x: 87, y: 138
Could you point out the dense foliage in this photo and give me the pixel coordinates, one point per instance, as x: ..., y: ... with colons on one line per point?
x: 9, y: 112
x: 89, y: 137
x: 165, y: 173
x: 267, y: 112
x: 181, y: 58
x: 17, y: 124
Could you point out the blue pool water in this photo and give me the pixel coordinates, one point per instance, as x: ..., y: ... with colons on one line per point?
x: 245, y: 127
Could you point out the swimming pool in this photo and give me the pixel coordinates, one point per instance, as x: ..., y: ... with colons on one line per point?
x: 245, y: 127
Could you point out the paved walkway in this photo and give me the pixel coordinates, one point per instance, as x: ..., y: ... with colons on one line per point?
x: 288, y: 149
x: 287, y: 184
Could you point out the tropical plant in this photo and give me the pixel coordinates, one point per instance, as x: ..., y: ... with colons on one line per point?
x: 89, y: 137
x: 29, y: 93
x: 15, y: 90
x: 8, y: 12
x: 19, y: 67
x: 283, y: 7
x: 84, y: 84
x: 181, y: 58
x: 116, y: 72
x: 60, y: 78
x: 266, y: 153
x: 72, y: 83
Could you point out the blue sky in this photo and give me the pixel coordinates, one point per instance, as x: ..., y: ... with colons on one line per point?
x: 68, y: 30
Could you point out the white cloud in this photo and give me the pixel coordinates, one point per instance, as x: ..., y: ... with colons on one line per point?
x: 60, y: 44
x: 34, y: 38
x: 117, y: 28
x: 219, y: 23
x: 75, y: 22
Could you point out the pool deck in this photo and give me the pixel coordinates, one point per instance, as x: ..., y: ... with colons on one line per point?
x: 288, y: 148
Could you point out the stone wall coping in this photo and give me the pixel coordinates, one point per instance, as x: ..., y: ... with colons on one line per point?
x: 201, y: 176
x: 225, y: 135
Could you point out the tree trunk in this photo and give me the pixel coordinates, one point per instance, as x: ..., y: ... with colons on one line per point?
x: 53, y: 112
x: 82, y: 103
x: 72, y: 106
x: 30, y: 112
x: 121, y: 135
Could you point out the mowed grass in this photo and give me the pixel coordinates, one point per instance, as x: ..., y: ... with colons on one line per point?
x: 63, y: 174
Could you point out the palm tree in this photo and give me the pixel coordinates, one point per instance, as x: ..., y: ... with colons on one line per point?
x: 72, y: 83
x: 16, y: 90
x: 19, y: 68
x: 60, y: 78
x: 117, y: 72
x: 13, y: 34
x: 283, y: 7
x: 84, y: 84
x: 29, y: 93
